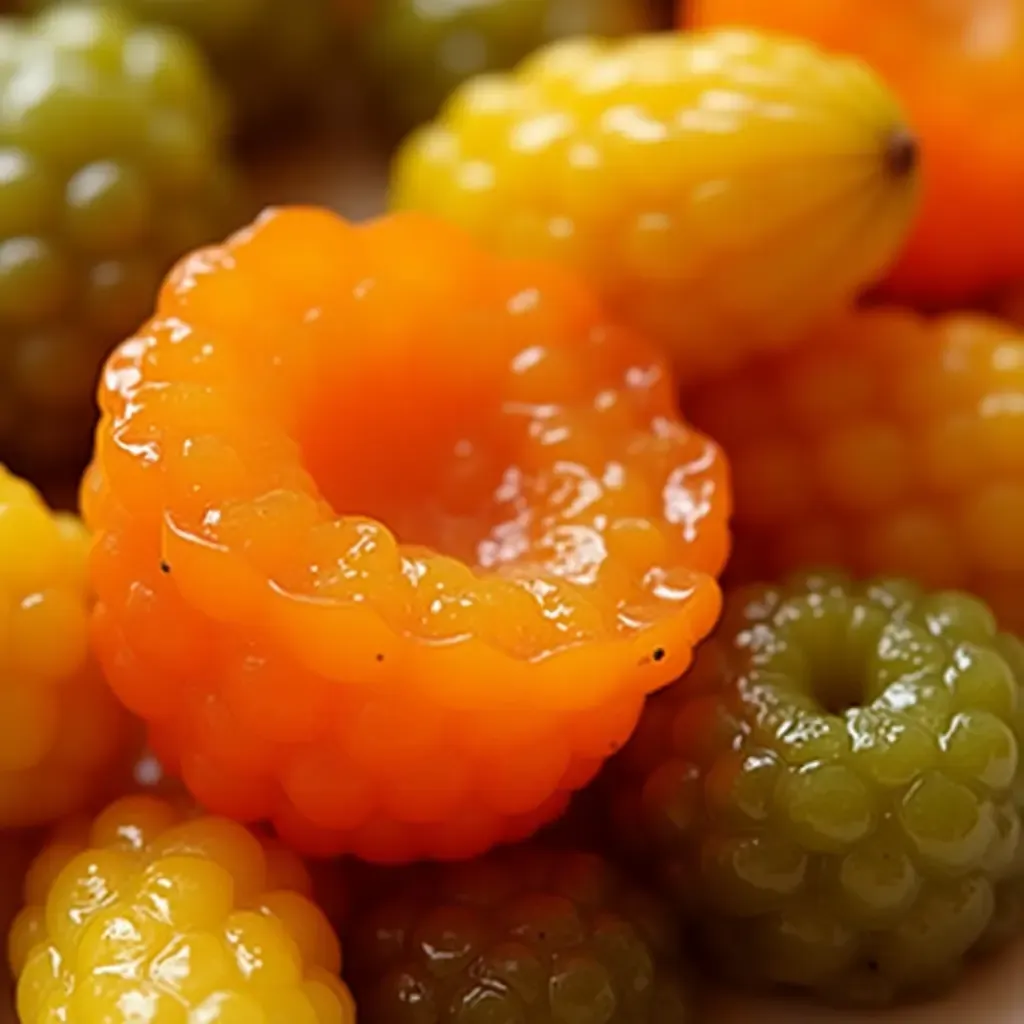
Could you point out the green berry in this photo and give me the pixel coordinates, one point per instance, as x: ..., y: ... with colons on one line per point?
x: 112, y: 165
x: 273, y: 58
x: 435, y: 46
x: 834, y: 791
x: 528, y: 935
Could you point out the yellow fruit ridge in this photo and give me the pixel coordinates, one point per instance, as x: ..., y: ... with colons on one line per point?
x: 64, y: 740
x: 149, y: 915
x: 723, y: 189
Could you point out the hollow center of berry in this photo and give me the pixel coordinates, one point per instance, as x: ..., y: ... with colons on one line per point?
x: 433, y: 469
x: 832, y: 652
x: 838, y: 687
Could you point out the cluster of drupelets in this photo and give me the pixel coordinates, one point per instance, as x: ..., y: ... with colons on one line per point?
x: 393, y: 620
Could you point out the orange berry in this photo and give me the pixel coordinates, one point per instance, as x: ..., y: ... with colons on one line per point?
x: 887, y: 443
x: 393, y: 536
x: 699, y: 181
x: 959, y: 70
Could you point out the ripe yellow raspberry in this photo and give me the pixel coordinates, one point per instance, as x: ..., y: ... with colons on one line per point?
x: 149, y: 915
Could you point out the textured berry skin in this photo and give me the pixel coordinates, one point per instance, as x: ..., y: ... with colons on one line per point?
x: 698, y: 181
x: 110, y: 169
x: 886, y: 443
x: 393, y: 535
x: 272, y: 61
x: 148, y: 914
x: 17, y: 851
x: 438, y: 46
x: 530, y: 934
x: 959, y: 70
x: 63, y: 738
x: 834, y: 790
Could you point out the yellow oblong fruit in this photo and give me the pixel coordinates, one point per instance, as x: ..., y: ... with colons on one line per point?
x: 723, y: 189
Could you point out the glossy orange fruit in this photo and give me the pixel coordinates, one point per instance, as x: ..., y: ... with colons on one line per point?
x: 393, y: 535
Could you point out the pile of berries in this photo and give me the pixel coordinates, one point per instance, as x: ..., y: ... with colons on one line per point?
x: 596, y: 573
x: 128, y: 130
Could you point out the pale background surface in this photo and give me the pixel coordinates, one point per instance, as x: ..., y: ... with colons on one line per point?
x: 330, y: 174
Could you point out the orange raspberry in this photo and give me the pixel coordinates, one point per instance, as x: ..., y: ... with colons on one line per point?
x: 64, y: 741
x: 887, y: 443
x: 700, y: 181
x: 959, y: 69
x: 149, y: 914
x: 393, y: 536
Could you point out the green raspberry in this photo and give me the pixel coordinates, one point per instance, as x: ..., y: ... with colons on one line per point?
x: 528, y: 935
x: 834, y: 790
x: 273, y: 58
x: 112, y: 165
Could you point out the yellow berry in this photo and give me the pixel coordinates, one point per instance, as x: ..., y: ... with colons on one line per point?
x: 153, y: 915
x: 722, y: 189
x: 64, y: 740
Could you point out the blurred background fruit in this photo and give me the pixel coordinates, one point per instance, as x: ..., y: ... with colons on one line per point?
x: 111, y: 166
x: 279, y: 62
x: 1010, y: 305
x: 416, y: 53
x: 884, y: 443
x: 532, y: 933
x: 958, y: 65
x: 721, y: 190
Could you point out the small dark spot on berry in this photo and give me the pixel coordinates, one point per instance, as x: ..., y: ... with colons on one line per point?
x: 164, y: 567
x: 658, y: 654
x: 872, y: 965
x: 380, y: 657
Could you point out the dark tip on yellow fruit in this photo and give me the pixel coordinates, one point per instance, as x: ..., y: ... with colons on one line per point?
x: 901, y: 152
